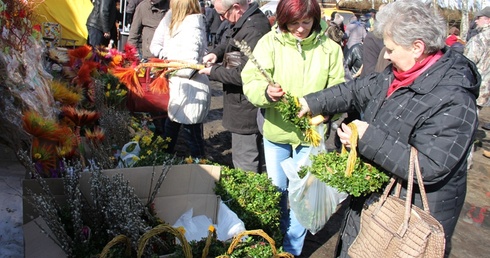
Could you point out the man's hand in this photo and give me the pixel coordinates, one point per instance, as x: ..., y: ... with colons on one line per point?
x: 206, y: 71
x: 208, y: 60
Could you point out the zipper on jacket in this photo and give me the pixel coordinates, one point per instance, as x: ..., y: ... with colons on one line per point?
x: 298, y: 45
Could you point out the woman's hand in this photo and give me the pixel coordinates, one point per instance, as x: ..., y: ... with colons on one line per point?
x: 345, y: 132
x: 275, y: 92
x: 304, y: 107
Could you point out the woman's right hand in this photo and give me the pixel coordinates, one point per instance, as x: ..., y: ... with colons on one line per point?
x: 304, y: 107
x: 275, y: 92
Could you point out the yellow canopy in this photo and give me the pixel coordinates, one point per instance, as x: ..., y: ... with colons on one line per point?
x: 70, y: 14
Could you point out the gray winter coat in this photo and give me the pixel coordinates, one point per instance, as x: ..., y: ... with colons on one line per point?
x: 437, y: 115
x: 145, y: 21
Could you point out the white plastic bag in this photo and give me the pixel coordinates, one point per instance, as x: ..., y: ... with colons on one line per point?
x: 197, y: 227
x: 229, y: 224
x: 312, y: 201
x: 129, y: 158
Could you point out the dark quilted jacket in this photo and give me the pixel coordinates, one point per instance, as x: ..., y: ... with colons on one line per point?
x: 437, y: 115
x: 239, y: 115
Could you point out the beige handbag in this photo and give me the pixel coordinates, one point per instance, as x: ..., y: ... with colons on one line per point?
x: 392, y: 227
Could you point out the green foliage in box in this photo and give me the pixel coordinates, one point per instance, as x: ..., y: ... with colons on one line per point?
x: 253, y: 198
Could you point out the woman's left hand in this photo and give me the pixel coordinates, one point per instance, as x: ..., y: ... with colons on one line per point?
x: 345, y: 132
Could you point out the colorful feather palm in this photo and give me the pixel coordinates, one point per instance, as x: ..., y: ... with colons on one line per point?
x: 39, y: 126
x: 129, y: 76
x: 44, y: 157
x: 80, y: 117
x: 63, y: 94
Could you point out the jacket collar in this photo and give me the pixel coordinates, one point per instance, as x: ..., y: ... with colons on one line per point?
x: 451, y: 60
x: 252, y: 8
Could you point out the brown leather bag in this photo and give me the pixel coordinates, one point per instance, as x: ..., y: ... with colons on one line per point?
x: 151, y: 102
x: 393, y: 227
x: 232, y: 59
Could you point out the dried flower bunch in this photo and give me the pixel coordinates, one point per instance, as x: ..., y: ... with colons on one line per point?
x: 83, y: 226
x: 14, y: 16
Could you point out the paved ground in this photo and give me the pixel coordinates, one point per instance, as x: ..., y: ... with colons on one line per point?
x: 470, y: 239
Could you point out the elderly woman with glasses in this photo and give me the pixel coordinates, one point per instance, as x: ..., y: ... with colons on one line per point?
x: 425, y: 99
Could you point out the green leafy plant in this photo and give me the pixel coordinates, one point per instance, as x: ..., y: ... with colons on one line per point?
x: 331, y: 168
x: 253, y: 198
x: 289, y: 108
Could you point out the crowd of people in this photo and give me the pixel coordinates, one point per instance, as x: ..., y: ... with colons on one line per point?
x: 404, y: 82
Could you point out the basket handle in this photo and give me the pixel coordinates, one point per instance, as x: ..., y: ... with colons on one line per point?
x: 116, y: 240
x: 160, y: 229
x: 259, y: 232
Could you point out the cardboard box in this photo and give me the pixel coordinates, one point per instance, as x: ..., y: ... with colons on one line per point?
x: 184, y: 187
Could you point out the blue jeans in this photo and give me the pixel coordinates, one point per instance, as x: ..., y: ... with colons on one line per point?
x: 193, y: 135
x: 275, y: 153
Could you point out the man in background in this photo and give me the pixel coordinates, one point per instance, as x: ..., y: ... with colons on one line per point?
x: 100, y: 22
x: 147, y: 16
x: 247, y: 23
x: 476, y: 50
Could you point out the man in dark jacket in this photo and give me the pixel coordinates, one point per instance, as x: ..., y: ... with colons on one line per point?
x: 147, y: 16
x: 213, y: 21
x: 100, y: 22
x: 249, y: 24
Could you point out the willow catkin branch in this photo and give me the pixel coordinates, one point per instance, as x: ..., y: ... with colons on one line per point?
x: 246, y: 50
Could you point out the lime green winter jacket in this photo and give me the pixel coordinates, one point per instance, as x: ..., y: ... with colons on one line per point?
x: 299, y: 66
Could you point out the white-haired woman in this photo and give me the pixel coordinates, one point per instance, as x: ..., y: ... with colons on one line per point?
x: 425, y: 99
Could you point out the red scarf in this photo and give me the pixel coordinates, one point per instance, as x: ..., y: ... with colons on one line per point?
x: 404, y: 79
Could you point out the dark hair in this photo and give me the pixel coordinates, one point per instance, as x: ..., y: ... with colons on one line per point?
x: 292, y: 10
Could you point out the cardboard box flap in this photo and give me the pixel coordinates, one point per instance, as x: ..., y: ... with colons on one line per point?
x: 190, y: 179
x: 180, y: 179
x: 171, y: 208
x: 54, y: 184
x: 37, y: 244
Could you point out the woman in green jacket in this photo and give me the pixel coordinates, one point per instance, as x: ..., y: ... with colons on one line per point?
x: 300, y: 59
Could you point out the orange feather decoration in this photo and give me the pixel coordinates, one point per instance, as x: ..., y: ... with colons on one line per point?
x: 80, y: 52
x: 129, y: 76
x: 160, y: 84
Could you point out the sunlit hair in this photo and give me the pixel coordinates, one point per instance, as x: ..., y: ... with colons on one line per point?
x: 414, y: 21
x: 293, y: 10
x: 228, y: 3
x: 180, y: 9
